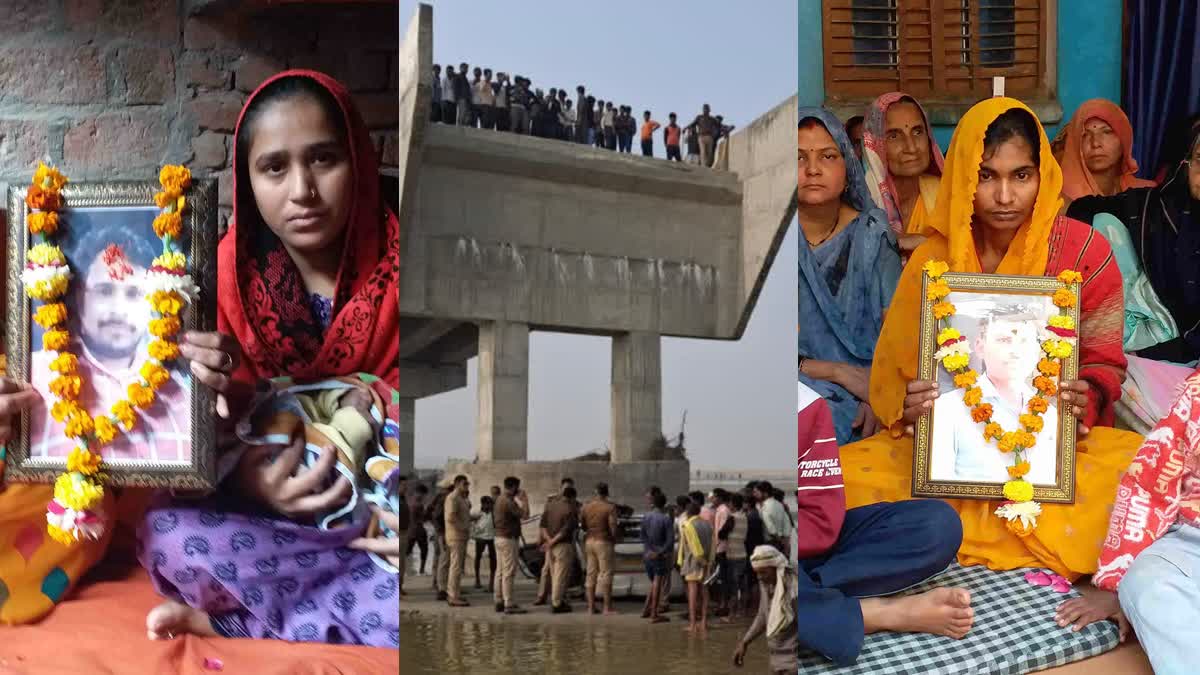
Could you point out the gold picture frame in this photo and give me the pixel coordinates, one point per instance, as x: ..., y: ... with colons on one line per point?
x: 1026, y: 292
x: 94, y: 202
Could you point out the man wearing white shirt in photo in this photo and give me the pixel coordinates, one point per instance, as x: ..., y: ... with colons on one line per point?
x: 1009, y: 348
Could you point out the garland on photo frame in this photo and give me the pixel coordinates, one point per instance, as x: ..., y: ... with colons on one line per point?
x: 75, y: 511
x: 1020, y: 510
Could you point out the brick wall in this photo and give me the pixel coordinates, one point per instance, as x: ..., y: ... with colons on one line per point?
x: 113, y: 89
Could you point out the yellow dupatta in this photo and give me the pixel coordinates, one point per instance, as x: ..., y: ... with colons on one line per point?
x: 949, y: 231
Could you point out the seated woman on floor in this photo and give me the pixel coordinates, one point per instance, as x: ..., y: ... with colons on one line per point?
x: 997, y: 214
x: 1145, y: 572
x: 903, y: 164
x: 848, y: 270
x: 307, y: 288
x: 1160, y: 234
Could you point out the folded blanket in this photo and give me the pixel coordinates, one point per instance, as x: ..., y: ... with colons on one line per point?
x: 367, y: 441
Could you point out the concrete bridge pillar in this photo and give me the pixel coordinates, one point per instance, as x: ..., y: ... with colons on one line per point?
x: 636, y: 395
x: 502, y: 431
x: 407, y: 422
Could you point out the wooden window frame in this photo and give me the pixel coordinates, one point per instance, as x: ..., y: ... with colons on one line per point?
x: 942, y: 110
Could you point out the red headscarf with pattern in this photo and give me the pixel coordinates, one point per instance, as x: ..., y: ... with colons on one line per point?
x: 262, y: 300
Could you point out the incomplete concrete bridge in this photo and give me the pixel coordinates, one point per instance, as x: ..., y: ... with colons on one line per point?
x: 504, y: 234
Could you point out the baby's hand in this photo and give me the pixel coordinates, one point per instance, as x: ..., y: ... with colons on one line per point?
x: 388, y: 547
x: 358, y: 399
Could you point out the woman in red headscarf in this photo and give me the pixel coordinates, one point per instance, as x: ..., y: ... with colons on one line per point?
x: 1098, y: 155
x: 307, y: 288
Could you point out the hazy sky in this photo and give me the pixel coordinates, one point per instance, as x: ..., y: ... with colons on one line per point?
x: 669, y: 55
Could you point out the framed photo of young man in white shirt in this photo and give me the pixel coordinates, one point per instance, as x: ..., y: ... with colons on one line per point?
x: 1003, y: 320
x: 107, y: 237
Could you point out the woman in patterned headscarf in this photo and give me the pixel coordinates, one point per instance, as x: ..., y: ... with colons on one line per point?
x: 849, y: 265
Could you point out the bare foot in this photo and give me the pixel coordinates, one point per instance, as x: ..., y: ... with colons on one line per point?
x: 171, y: 619
x: 941, y: 611
x: 611, y: 612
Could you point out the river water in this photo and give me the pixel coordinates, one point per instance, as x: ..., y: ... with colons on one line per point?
x: 446, y: 644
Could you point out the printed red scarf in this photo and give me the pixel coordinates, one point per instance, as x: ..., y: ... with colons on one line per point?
x: 262, y: 301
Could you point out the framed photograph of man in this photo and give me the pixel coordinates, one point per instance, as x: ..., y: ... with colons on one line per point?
x: 107, y: 237
x: 1003, y: 320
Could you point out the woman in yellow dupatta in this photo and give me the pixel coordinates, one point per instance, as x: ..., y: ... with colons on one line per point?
x: 997, y: 213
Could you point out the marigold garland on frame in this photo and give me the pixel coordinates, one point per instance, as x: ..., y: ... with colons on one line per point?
x: 1020, y: 510
x: 75, y: 511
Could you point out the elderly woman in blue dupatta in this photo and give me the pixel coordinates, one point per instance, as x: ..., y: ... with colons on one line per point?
x: 849, y: 266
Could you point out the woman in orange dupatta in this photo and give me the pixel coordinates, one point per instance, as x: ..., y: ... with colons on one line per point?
x: 1098, y: 155
x: 996, y: 213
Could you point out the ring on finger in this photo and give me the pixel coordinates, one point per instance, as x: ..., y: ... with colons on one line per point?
x: 226, y: 362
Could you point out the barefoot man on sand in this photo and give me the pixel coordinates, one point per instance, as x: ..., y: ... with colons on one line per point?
x: 873, y: 550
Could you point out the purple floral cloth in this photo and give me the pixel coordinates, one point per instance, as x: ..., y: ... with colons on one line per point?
x: 265, y: 577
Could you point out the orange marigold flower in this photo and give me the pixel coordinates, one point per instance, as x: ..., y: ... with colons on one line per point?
x: 1025, y: 439
x: 1064, y: 298
x: 1008, y: 442
x: 43, y: 200
x: 55, y: 340
x: 63, y: 410
x: 167, y: 198
x: 154, y: 374
x: 1031, y: 422
x: 1019, y: 470
x: 1049, y: 368
x: 943, y: 309
x: 937, y: 290
x: 1038, y: 405
x: 982, y: 412
x: 65, y: 363
x: 123, y: 411
x: 1045, y: 385
x: 80, y: 425
x: 50, y: 315
x: 1069, y: 277
x: 166, y: 302
x: 164, y: 327
x: 105, y: 429
x: 992, y: 430
x: 167, y: 225
x: 163, y: 350
x: 42, y: 222
x: 973, y: 396
x: 175, y: 177
x: 142, y: 397
x: 65, y: 386
x: 965, y: 380
x: 48, y: 177
x: 86, y: 463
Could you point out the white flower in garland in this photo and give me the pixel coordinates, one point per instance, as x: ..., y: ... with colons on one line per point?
x: 87, y: 524
x: 1024, y: 512
x: 183, y: 284
x: 952, y: 349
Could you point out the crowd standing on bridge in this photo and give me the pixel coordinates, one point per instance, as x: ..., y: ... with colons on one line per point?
x: 473, y: 98
x: 718, y: 544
